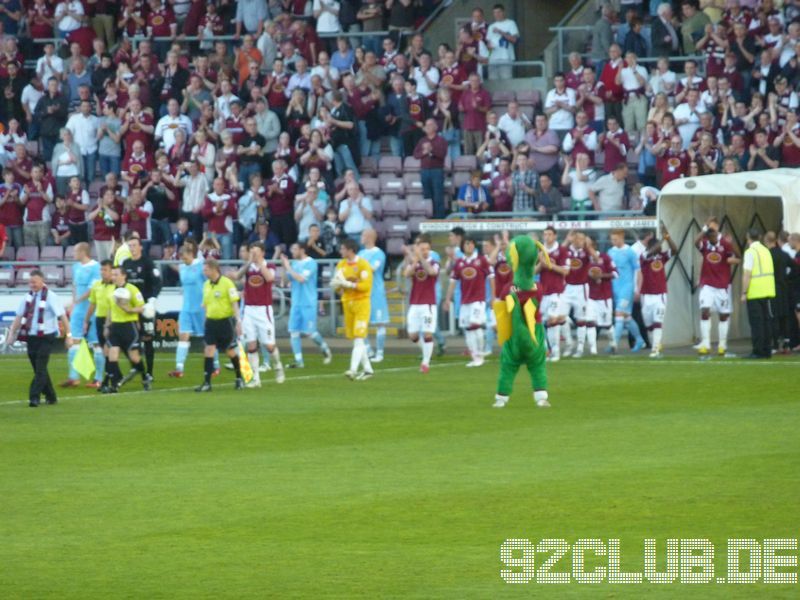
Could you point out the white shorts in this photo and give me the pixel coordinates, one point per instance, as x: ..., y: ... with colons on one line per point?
x: 473, y: 313
x: 654, y: 306
x: 421, y: 318
x: 258, y: 325
x: 715, y: 299
x: 576, y: 298
x: 553, y: 306
x: 600, y: 312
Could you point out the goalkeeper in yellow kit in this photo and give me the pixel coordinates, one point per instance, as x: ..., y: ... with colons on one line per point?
x: 353, y: 279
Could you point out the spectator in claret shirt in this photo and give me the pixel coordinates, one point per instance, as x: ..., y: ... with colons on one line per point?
x: 474, y: 103
x: 11, y: 208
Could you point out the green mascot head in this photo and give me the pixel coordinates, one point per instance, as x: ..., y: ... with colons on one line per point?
x: 522, y: 255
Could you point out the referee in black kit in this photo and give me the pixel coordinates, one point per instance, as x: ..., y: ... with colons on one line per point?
x: 37, y: 324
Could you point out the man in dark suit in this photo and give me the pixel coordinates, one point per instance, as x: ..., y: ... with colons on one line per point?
x: 664, y: 38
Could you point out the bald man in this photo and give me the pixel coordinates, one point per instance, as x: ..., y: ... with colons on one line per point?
x: 379, y: 310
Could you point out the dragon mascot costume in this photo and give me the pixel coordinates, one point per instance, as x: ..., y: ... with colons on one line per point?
x: 519, y: 329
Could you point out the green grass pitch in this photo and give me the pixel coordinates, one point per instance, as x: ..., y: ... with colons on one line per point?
x: 404, y: 486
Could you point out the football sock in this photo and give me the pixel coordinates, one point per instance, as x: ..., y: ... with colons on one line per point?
x: 181, y: 352
x: 276, y: 356
x: 439, y: 336
x: 297, y: 347
x: 236, y: 366
x: 468, y: 336
x: 581, y: 335
x: 658, y: 333
x: 265, y: 356
x: 365, y: 364
x: 149, y: 355
x: 114, y: 374
x: 540, y: 396
x: 355, y: 357
x: 705, y: 333
x: 554, y: 338
x: 633, y: 328
x: 216, y: 360
x: 566, y: 331
x: 591, y: 335
x: 71, y: 354
x: 319, y: 341
x: 491, y: 336
x: 612, y: 341
x: 427, y: 352
x: 380, y: 340
x: 723, y: 333
x: 619, y: 326
x: 99, y: 364
x: 209, y: 368
x: 479, y: 341
x: 252, y: 358
x: 139, y: 366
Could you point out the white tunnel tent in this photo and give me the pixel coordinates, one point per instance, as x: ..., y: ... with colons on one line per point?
x: 767, y: 200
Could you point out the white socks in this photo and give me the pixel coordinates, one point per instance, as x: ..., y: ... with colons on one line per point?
x: 252, y: 358
x: 657, y: 334
x: 591, y: 335
x: 540, y: 397
x: 427, y: 352
x: 554, y: 339
x: 723, y: 334
x: 276, y: 356
x: 581, y: 335
x: 359, y: 350
x: 480, y: 343
x: 566, y: 331
x: 705, y: 333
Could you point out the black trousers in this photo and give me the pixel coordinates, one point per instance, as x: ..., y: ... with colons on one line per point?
x: 39, y: 349
x: 760, y: 315
x: 195, y: 224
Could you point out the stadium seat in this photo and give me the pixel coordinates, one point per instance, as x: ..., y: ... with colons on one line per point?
x: 529, y: 98
x: 410, y: 165
x: 448, y: 165
x: 28, y: 253
x: 94, y: 188
x: 53, y: 276
x: 69, y: 253
x: 412, y: 183
x: 419, y: 207
x: 67, y: 274
x: 6, y: 277
x: 503, y: 97
x: 380, y: 229
x: 22, y: 276
x: 394, y: 207
x: 377, y: 208
x: 32, y: 148
x: 390, y: 164
x: 391, y: 184
x: 397, y: 228
x: 156, y: 251
x: 369, y: 166
x: 9, y: 253
x: 459, y: 179
x: 371, y: 186
x: 394, y: 246
x: 52, y: 253
x: 465, y: 164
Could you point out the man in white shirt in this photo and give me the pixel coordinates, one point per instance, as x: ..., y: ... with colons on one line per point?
x: 514, y: 124
x: 608, y: 192
x: 633, y: 78
x: 83, y: 125
x: 355, y: 212
x: 50, y: 65
x: 500, y: 39
x: 31, y: 94
x: 327, y: 73
x: 687, y: 117
x: 326, y: 12
x: 427, y: 76
x: 170, y: 123
x: 68, y: 17
x: 559, y: 106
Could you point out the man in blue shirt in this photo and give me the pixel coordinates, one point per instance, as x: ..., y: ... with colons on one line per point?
x: 191, y: 319
x: 302, y: 271
x: 379, y: 308
x: 627, y: 263
x: 36, y: 322
x: 84, y: 273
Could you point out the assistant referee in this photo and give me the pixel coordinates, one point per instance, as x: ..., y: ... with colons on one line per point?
x: 223, y: 327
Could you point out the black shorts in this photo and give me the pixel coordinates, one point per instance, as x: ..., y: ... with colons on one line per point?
x: 147, y: 327
x: 124, y: 335
x: 99, y: 327
x: 220, y: 333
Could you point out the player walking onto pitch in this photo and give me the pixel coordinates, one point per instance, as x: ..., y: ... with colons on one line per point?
x: 576, y: 292
x: 651, y: 287
x: 142, y: 273
x: 472, y: 271
x: 222, y: 324
x: 553, y: 307
x: 627, y: 264
x: 100, y: 298
x: 85, y: 272
x: 191, y: 318
x: 715, y: 284
x: 379, y: 308
x: 601, y: 273
x: 258, y: 322
x: 519, y: 324
x: 353, y: 278
x: 422, y: 315
x: 302, y: 271
x: 122, y: 331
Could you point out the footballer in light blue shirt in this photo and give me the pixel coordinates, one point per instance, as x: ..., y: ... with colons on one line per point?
x: 302, y: 272
x: 627, y: 264
x: 379, y: 308
x: 84, y: 273
x: 191, y: 319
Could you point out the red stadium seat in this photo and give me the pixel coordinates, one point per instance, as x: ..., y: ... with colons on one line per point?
x: 410, y: 165
x: 465, y: 163
x: 397, y: 228
x: 52, y: 253
x: 529, y: 97
x: 369, y: 166
x: 377, y: 208
x: 391, y: 184
x: 371, y: 186
x: 503, y: 97
x: 394, y: 207
x: 394, y: 246
x: 69, y: 253
x: 9, y: 253
x: 390, y: 164
x: 22, y: 276
x: 412, y: 183
x: 420, y: 207
x: 6, y: 277
x: 53, y: 276
x: 28, y: 253
x: 67, y: 274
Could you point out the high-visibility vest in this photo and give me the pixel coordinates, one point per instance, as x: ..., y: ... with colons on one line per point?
x: 762, y: 277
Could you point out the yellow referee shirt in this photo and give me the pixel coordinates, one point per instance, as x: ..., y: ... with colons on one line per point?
x: 360, y: 272
x: 100, y: 295
x: 120, y: 316
x: 219, y: 298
